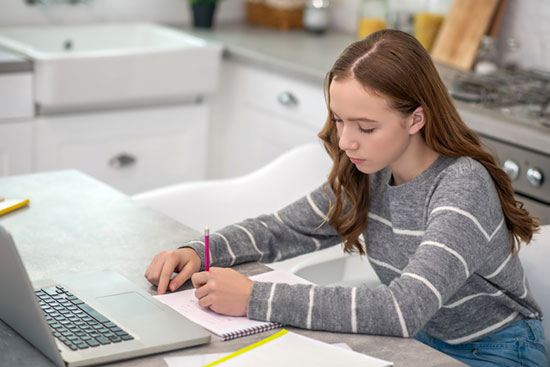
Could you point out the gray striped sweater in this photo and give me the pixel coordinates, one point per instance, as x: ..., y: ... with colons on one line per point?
x: 438, y: 243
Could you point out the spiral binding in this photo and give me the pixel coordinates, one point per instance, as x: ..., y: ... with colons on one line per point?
x: 250, y: 331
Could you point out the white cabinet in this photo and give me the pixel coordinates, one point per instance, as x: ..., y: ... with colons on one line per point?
x: 258, y: 115
x: 15, y: 147
x: 16, y: 111
x: 131, y: 150
x: 16, y: 96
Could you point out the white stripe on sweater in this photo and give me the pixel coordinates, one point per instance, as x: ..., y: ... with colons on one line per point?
x: 400, y: 317
x: 270, y: 299
x: 315, y: 208
x: 496, y: 230
x: 251, y: 237
x: 190, y: 242
x: 317, y: 243
x: 466, y: 299
x: 466, y: 214
x: 384, y: 265
x: 428, y: 284
x: 451, y: 251
x: 229, y: 249
x: 310, y: 306
x: 407, y: 232
x: 499, y: 269
x: 354, y: 310
x: 276, y: 215
x: 487, y: 330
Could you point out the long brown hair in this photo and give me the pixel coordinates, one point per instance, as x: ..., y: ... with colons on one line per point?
x: 395, y: 65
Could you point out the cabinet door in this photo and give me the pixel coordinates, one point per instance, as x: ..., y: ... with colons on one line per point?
x: 258, y: 138
x: 16, y: 96
x: 15, y: 147
x: 132, y: 150
x: 258, y: 115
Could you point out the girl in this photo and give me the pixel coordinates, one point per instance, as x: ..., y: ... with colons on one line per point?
x: 439, y: 219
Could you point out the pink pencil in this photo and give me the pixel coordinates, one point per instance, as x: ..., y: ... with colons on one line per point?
x: 206, y: 249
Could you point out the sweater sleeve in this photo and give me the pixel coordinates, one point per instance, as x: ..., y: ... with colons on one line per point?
x: 294, y: 230
x: 463, y: 215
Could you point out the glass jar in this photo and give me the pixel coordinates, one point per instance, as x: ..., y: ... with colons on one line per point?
x: 372, y: 18
x: 401, y: 14
x: 512, y: 56
x: 316, y: 16
x: 486, y: 58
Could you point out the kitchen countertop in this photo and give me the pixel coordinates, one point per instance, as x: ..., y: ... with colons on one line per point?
x: 295, y: 52
x: 299, y: 54
x: 13, y: 63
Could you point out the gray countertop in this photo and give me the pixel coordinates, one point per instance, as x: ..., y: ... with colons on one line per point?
x: 75, y: 223
x: 306, y: 56
x: 13, y: 63
x: 293, y: 52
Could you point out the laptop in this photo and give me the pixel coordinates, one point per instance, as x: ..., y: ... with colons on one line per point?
x: 88, y: 318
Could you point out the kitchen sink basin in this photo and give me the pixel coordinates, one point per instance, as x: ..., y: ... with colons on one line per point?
x: 111, y: 64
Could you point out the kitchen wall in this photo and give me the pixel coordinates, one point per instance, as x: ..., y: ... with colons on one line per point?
x: 528, y: 21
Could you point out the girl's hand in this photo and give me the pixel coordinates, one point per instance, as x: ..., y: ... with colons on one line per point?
x: 223, y: 290
x: 184, y: 260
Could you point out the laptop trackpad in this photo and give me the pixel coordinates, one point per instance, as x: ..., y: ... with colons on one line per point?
x: 128, y: 304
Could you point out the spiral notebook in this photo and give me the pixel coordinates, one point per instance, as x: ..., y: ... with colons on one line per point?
x: 221, y: 326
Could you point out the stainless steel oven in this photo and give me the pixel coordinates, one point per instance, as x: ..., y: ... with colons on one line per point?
x: 529, y: 171
x: 523, y: 96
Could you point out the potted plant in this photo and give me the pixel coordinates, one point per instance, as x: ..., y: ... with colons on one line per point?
x: 203, y: 12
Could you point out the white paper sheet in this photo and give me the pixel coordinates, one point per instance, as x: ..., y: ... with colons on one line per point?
x: 292, y: 349
x: 200, y: 360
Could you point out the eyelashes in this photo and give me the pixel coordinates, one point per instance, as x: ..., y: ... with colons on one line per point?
x: 364, y: 131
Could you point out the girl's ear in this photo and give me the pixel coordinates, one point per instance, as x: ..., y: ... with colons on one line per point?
x: 417, y: 121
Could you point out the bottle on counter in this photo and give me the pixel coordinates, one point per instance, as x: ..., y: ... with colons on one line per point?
x: 316, y: 16
x: 373, y: 17
x: 428, y: 20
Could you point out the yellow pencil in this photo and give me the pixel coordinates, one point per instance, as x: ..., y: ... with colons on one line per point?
x: 7, y: 206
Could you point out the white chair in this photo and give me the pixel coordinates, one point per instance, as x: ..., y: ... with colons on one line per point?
x: 217, y: 203
x: 534, y: 258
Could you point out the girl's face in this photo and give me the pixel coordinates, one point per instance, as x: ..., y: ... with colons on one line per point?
x: 371, y: 133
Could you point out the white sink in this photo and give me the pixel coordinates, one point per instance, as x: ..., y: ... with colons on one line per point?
x: 109, y: 64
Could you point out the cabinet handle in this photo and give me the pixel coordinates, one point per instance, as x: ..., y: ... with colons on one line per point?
x: 287, y: 99
x: 122, y: 160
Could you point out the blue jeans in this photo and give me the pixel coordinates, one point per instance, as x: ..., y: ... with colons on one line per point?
x: 520, y: 344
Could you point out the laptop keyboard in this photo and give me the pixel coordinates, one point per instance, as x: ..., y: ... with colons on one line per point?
x: 75, y: 323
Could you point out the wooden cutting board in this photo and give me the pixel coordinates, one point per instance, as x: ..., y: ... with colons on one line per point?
x: 460, y: 35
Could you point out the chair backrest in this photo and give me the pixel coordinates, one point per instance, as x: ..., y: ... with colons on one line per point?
x: 216, y: 203
x: 534, y: 258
